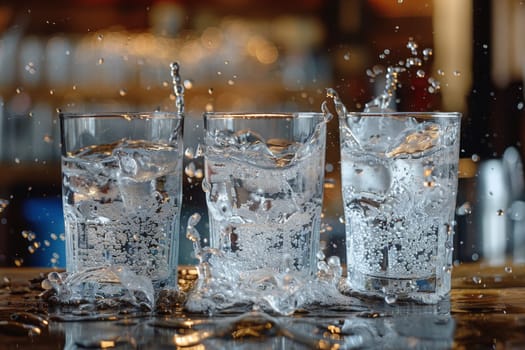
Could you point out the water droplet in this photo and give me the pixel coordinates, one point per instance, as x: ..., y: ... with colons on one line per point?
x: 508, y: 269
x: 464, y: 209
x: 100, y: 61
x: 48, y: 139
x: 188, y: 84
x: 390, y: 299
x: 189, y: 153
x: 30, y: 68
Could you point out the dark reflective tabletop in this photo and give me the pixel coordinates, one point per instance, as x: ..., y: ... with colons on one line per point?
x: 486, y: 310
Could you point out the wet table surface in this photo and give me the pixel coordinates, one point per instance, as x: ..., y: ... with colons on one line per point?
x: 486, y: 310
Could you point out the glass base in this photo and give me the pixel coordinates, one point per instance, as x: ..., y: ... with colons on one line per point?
x: 425, y: 290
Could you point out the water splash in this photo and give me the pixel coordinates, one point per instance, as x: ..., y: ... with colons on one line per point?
x: 224, y: 285
x: 178, y: 87
x: 106, y: 287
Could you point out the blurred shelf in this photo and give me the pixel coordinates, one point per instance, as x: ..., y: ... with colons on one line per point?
x: 29, y: 174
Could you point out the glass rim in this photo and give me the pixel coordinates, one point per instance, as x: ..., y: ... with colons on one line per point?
x: 262, y: 115
x: 124, y: 115
x: 402, y: 114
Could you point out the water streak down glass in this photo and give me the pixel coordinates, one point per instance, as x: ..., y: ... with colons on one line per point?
x: 399, y: 181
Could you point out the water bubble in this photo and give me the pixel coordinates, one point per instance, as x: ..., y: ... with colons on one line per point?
x: 52, y: 91
x: 165, y: 83
x: 17, y: 160
x: 520, y: 106
x: 100, y: 61
x: 456, y: 73
x: 342, y: 219
x: 427, y: 52
x: 231, y: 82
x: 346, y: 56
x: 123, y: 92
x: 399, y: 1
x: 386, y: 51
x: 420, y: 73
x: 396, y: 29
x: 477, y: 279
x: 18, y: 262
x: 475, y: 257
x: 440, y: 72
x: 500, y: 212
x: 475, y: 158
x: 100, y: 37
x: 508, y: 269
x: 53, y: 236
x: 210, y: 91
x: 219, y: 72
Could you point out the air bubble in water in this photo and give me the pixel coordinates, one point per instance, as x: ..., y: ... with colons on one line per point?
x: 477, y: 279
x: 520, y: 106
x: 427, y: 52
x: 123, y: 92
x: 100, y: 61
x: 508, y: 269
x: 456, y: 73
x: 210, y: 91
x: 100, y: 37
x: 500, y: 212
x: 420, y: 73
x: 475, y: 158
x: 346, y: 56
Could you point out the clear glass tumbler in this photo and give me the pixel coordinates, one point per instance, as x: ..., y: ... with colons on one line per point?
x: 264, y: 175
x: 399, y: 181
x: 121, y: 186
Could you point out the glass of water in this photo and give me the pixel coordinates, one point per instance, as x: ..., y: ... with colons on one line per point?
x: 121, y: 186
x: 264, y: 177
x: 399, y: 181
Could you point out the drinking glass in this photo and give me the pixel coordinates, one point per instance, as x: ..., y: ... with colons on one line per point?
x: 264, y: 175
x: 399, y: 181
x: 121, y: 186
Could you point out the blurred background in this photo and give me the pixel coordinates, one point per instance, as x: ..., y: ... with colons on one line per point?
x: 247, y: 55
